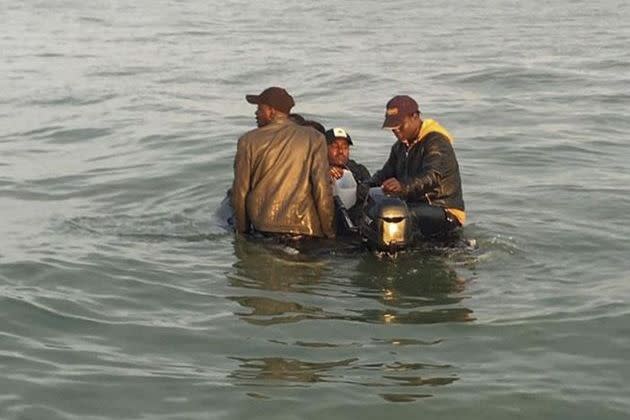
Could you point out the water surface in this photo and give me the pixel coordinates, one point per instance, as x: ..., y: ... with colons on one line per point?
x: 122, y: 297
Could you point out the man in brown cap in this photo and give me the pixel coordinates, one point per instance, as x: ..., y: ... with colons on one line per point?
x: 422, y: 169
x: 281, y: 186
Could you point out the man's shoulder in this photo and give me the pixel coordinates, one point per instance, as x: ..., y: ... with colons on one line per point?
x: 311, y: 133
x: 435, y: 135
x: 253, y: 133
x: 437, y: 140
x: 257, y: 137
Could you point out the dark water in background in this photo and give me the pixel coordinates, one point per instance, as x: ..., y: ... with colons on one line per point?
x: 122, y: 298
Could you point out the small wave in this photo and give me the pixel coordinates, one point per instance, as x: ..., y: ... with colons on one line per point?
x: 92, y: 19
x: 147, y: 229
x: 128, y: 71
x: 489, y: 246
x: 38, y: 132
x: 74, y: 135
x: 70, y: 100
x: 510, y: 77
x: 50, y: 55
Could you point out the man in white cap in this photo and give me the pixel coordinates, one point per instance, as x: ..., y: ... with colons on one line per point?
x: 345, y: 173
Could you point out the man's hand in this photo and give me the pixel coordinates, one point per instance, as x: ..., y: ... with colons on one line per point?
x: 335, y: 172
x: 392, y: 185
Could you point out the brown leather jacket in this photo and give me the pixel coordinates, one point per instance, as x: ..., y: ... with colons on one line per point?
x: 281, y: 181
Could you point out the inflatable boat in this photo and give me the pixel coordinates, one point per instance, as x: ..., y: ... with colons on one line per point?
x: 384, y: 224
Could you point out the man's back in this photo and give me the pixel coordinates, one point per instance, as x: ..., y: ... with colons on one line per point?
x: 281, y: 181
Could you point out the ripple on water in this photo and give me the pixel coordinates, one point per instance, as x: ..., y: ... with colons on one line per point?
x: 76, y: 135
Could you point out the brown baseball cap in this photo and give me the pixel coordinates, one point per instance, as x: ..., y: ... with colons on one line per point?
x: 275, y: 97
x: 397, y: 109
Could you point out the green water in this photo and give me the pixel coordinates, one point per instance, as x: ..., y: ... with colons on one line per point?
x: 121, y: 297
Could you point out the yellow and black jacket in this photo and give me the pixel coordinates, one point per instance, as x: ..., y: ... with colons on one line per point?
x: 427, y: 170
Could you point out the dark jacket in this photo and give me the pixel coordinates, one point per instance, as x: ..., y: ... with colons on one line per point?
x: 281, y: 181
x: 360, y: 172
x: 428, y: 170
x: 361, y: 175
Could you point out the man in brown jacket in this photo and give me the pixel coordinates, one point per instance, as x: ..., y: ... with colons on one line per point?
x: 281, y: 183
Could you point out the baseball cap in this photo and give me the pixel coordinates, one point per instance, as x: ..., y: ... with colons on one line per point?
x: 397, y: 109
x: 275, y: 97
x: 337, y: 133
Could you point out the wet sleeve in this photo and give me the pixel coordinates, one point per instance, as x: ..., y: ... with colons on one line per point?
x: 240, y: 187
x: 322, y: 190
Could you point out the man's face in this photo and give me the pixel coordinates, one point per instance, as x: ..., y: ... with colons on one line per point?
x: 264, y: 114
x: 408, y: 131
x: 338, y: 152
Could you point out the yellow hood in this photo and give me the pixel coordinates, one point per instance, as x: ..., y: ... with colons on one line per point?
x: 430, y: 126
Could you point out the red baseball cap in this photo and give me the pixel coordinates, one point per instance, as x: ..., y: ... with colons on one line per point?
x: 397, y: 109
x: 275, y: 97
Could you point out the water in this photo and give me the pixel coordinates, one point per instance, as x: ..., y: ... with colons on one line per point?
x: 121, y: 297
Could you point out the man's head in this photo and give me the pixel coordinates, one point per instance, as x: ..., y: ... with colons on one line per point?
x: 402, y: 116
x: 271, y: 102
x: 339, y: 143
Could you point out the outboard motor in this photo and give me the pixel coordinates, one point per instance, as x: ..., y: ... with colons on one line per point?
x: 386, y: 222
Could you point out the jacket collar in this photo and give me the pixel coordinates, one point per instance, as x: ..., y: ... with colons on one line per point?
x: 431, y: 126
x: 280, y: 119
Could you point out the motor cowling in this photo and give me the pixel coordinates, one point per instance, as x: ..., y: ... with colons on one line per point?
x: 386, y: 222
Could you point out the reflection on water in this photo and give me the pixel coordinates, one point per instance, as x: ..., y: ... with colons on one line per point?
x: 412, y: 280
x: 264, y: 311
x: 291, y: 370
x: 287, y: 372
x: 414, y: 288
x: 405, y: 342
x: 271, y: 267
x: 315, y: 344
x: 409, y: 281
x: 277, y: 286
x: 412, y: 317
x: 404, y: 397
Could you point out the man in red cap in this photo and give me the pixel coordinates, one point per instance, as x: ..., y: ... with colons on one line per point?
x: 422, y: 169
x: 281, y: 185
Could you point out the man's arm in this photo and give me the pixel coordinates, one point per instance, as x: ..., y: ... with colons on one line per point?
x: 240, y: 187
x: 322, y: 190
